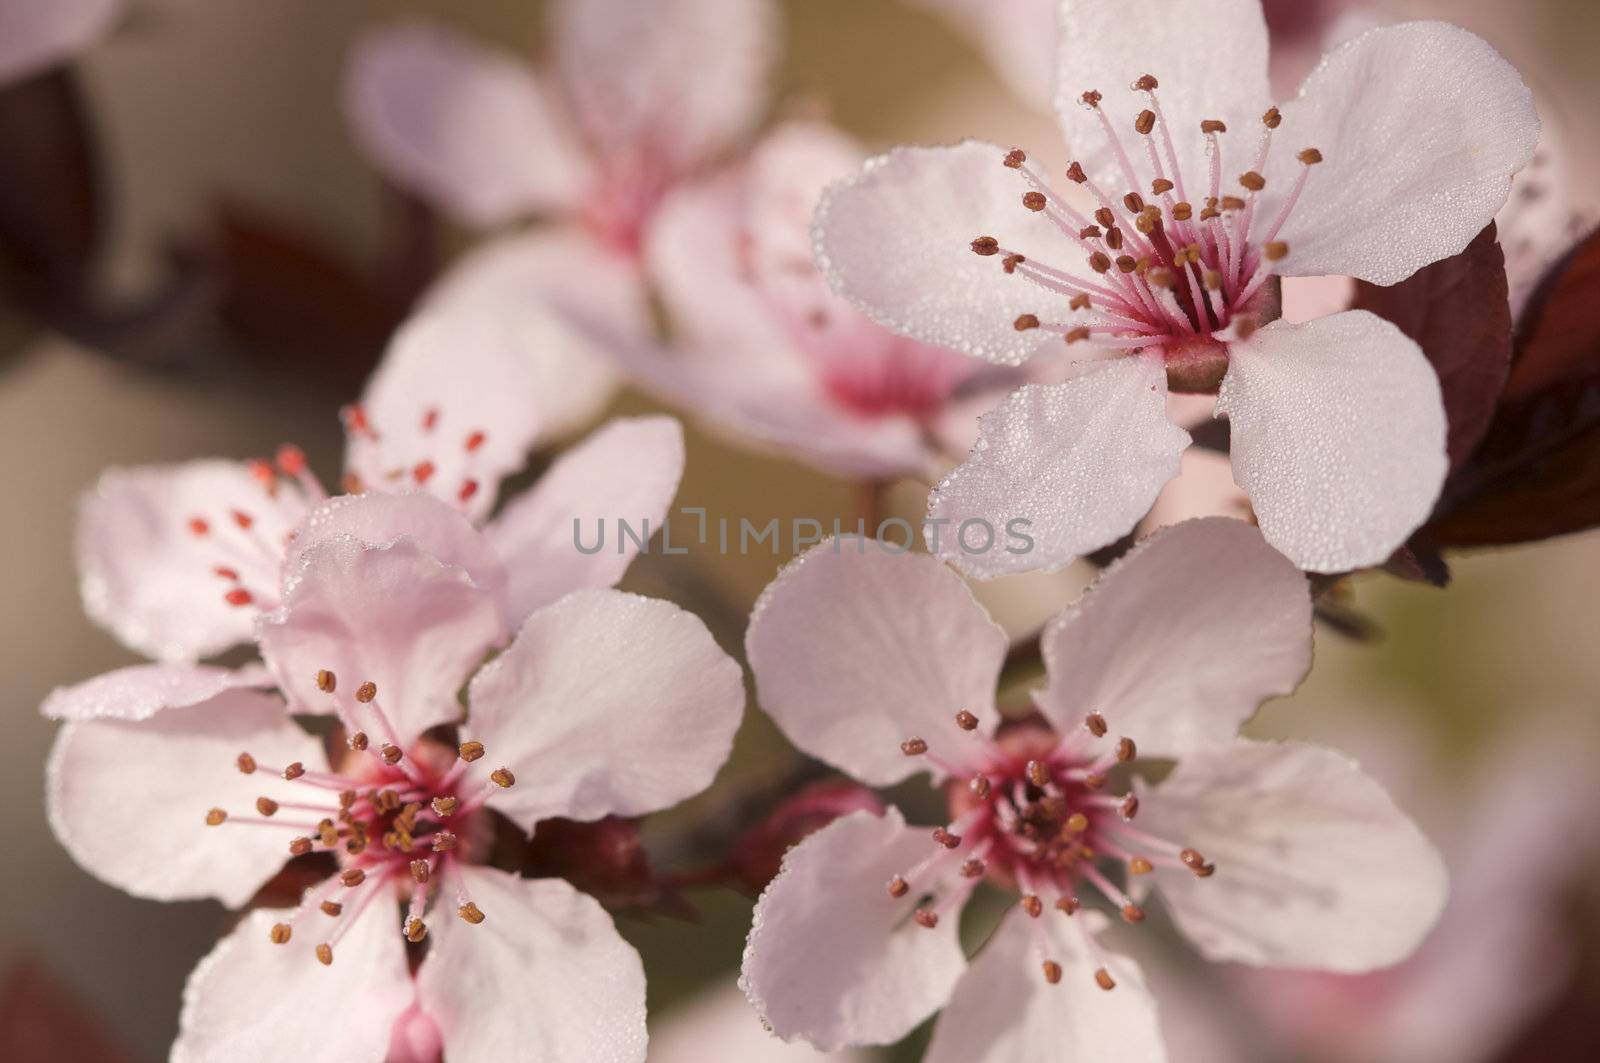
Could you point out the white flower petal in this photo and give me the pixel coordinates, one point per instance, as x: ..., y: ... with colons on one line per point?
x: 1003, y: 1009
x: 832, y: 959
x: 251, y: 1001
x: 546, y: 976
x: 462, y: 125
x: 1080, y: 462
x: 35, y: 36
x: 1421, y: 127
x: 606, y: 703
x: 856, y: 650
x: 141, y: 691
x: 128, y: 799
x: 1316, y: 867
x: 1181, y: 639
x: 896, y: 240
x: 1338, y: 437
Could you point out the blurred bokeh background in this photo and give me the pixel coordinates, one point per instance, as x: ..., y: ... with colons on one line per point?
x: 249, y: 264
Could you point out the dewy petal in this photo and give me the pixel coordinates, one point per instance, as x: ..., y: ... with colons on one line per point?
x: 152, y: 581
x: 545, y: 977
x: 453, y: 403
x: 1210, y: 59
x: 1316, y: 867
x: 128, y: 799
x: 856, y: 649
x: 251, y: 1001
x: 390, y: 615
x: 1338, y: 437
x: 464, y: 126
x: 1421, y: 127
x: 141, y: 691
x: 1070, y: 466
x: 627, y: 471
x: 529, y: 282
x: 606, y: 703
x: 35, y: 37
x: 896, y: 240
x: 670, y: 83
x: 832, y: 959
x: 1003, y: 1010
x: 1180, y: 640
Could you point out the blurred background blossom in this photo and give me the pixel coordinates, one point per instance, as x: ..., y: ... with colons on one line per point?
x: 200, y: 254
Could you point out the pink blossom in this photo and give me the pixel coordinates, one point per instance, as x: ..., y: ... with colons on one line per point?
x: 1191, y: 194
x: 36, y: 36
x: 177, y: 783
x: 1279, y: 854
x: 179, y: 561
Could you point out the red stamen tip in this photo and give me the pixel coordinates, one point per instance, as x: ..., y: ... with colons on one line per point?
x: 238, y: 596
x: 291, y: 460
x: 474, y: 441
x: 422, y: 472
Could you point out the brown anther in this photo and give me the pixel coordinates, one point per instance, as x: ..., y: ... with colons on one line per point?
x: 366, y: 692
x: 444, y: 806
x: 1092, y: 98
x: 1160, y: 277
x: 470, y: 751
x: 913, y: 747
x: 1273, y: 118
x: 1127, y: 263
x: 1068, y: 905
x: 974, y: 868
x: 1103, y: 979
x: 1129, y: 807
x: 359, y: 741
x: 266, y: 806
x: 1024, y: 322
x: 1079, y: 301
x: 419, y: 871
x: 1132, y: 913
x: 1076, y: 175
x: 1089, y: 232
x: 1094, y: 782
x: 1032, y: 905
x: 353, y: 877
x: 1105, y: 217
x: 1232, y: 203
x: 416, y: 930
x: 1114, y: 239
x: 325, y: 955
x: 1182, y: 211
x: 1015, y: 158
x: 898, y: 887
x: 1210, y: 212
x: 1077, y: 823
x: 331, y: 909
x: 1275, y: 251
x: 1146, y: 83
x: 946, y: 839
x: 1205, y: 871
x: 327, y: 682
x: 1145, y: 224
x: 980, y: 787
x: 1134, y: 202
x: 1310, y: 156
x: 1052, y: 971
x: 390, y: 754
x: 986, y: 246
x: 470, y: 913
x: 1213, y: 279
x: 1140, y: 866
x: 327, y: 833
x: 216, y: 817
x: 294, y: 771
x: 926, y: 918
x: 1038, y: 774
x: 281, y: 933
x: 1253, y: 181
x: 1245, y: 326
x: 1161, y: 186
x: 1095, y: 724
x: 503, y: 778
x: 1011, y: 262
x: 443, y: 842
x: 347, y: 798
x: 246, y: 764
x: 1145, y: 122
x: 1126, y: 750
x: 299, y: 846
x: 1212, y: 125
x: 1099, y: 262
x: 966, y: 721
x: 1034, y: 200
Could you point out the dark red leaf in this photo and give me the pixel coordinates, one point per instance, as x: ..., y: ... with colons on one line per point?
x: 42, y: 1021
x: 1557, y: 336
x: 1458, y: 311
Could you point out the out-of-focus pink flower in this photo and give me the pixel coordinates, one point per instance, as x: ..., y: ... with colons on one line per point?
x: 179, y: 561
x: 764, y: 350
x: 205, y: 787
x: 1204, y: 194
x: 1271, y: 854
x: 35, y: 36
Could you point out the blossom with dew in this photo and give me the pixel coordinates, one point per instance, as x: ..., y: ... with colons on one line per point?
x: 35, y: 37
x: 179, y: 560
x: 192, y: 784
x: 1154, y: 258
x: 764, y: 350
x: 1266, y: 853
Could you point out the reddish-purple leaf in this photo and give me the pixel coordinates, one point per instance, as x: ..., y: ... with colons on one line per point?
x: 42, y: 1021
x: 1556, y: 338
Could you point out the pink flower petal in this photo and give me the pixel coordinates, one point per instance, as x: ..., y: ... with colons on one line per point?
x: 462, y: 125
x: 546, y: 976
x: 128, y: 799
x: 832, y: 959
x: 35, y: 36
x: 629, y: 471
x: 156, y: 546
x: 141, y: 691
x: 390, y: 615
x: 606, y: 704
x: 857, y: 650
x: 1004, y: 1010
x: 251, y: 1001
x: 1316, y: 867
x: 1338, y: 437
x: 1180, y: 641
x: 1423, y: 170
x: 1075, y: 465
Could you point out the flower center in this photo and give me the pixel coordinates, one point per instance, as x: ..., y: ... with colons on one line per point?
x: 1033, y: 817
x: 1174, y: 273
x: 396, y: 821
x: 420, y: 460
